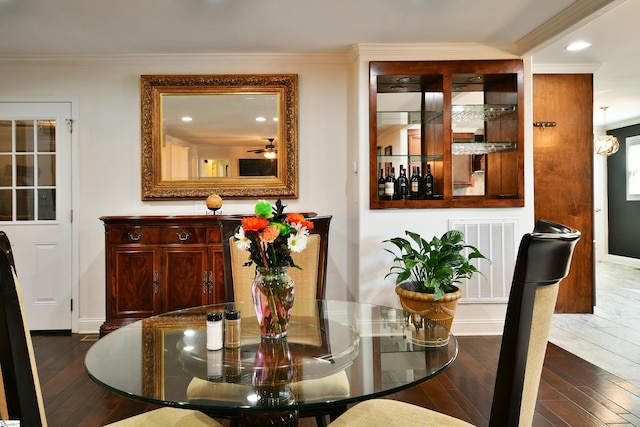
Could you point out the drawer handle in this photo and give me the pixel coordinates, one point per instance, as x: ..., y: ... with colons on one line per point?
x: 204, y: 282
x: 183, y: 236
x: 135, y: 236
x: 210, y: 282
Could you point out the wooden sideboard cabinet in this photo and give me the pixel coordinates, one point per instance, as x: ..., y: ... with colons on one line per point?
x: 156, y: 264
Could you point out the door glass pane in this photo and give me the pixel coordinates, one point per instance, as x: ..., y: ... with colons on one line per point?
x: 24, y: 136
x: 6, y: 167
x: 46, y: 136
x: 27, y: 153
x: 46, y: 170
x: 46, y: 204
x: 24, y: 171
x: 5, y: 136
x: 6, y: 205
x: 24, y: 205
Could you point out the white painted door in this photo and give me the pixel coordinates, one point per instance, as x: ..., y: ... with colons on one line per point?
x: 35, y: 206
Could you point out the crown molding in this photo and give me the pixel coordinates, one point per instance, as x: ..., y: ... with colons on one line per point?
x: 288, y: 58
x: 574, y: 16
x: 428, y: 51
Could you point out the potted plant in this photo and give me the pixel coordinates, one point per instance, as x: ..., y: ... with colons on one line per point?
x: 427, y: 273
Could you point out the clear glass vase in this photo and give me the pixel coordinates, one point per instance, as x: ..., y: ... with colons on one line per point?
x: 273, y: 293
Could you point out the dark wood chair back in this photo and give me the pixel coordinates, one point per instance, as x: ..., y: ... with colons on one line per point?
x: 20, y: 384
x: 316, y: 268
x: 543, y: 260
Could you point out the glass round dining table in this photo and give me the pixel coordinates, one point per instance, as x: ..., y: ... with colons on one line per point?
x: 335, y: 353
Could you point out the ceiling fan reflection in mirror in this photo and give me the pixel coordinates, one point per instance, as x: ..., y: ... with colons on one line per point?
x: 269, y: 150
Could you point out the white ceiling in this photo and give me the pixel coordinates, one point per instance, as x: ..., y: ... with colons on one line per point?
x: 131, y: 27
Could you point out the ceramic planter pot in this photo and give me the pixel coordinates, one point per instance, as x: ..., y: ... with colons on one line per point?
x: 422, y: 304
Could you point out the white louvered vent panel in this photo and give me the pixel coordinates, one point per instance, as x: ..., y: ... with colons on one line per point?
x: 496, y: 239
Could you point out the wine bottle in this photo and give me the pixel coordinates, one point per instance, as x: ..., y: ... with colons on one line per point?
x: 381, y: 185
x: 415, y: 185
x: 428, y: 184
x: 403, y: 185
x: 389, y: 185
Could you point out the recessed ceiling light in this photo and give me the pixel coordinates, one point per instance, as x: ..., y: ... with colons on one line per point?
x: 187, y: 119
x: 578, y: 45
x: 260, y: 119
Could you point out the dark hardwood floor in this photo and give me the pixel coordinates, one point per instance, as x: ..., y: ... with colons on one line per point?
x: 573, y: 392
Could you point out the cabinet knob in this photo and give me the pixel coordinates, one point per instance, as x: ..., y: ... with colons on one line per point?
x: 183, y: 236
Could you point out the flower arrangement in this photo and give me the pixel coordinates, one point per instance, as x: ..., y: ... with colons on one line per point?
x: 271, y: 235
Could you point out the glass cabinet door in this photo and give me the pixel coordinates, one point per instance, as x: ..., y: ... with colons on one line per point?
x: 446, y: 134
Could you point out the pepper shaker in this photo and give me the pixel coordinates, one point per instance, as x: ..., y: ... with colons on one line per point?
x: 232, y: 329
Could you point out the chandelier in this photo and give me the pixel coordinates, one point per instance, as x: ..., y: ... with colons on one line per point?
x: 606, y: 145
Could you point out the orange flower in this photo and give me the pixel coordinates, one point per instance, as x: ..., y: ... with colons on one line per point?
x: 295, y: 218
x: 307, y: 224
x: 269, y: 234
x: 254, y: 223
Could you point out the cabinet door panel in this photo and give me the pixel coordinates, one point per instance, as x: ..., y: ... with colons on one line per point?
x: 135, y: 270
x: 217, y: 291
x: 184, y: 270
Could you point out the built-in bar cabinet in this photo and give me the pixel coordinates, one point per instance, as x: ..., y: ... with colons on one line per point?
x: 446, y: 134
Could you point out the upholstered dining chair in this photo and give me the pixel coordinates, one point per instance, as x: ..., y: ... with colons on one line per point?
x: 310, y: 281
x: 20, y: 393
x: 543, y: 260
x: 310, y: 284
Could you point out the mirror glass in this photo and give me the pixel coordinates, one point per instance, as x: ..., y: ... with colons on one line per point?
x: 232, y: 135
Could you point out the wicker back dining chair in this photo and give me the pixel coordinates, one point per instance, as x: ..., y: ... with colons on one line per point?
x: 20, y: 393
x: 543, y: 260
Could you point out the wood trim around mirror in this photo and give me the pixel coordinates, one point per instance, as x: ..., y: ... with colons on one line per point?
x: 283, y: 185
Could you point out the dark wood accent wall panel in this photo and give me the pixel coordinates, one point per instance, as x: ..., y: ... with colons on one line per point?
x: 563, y: 174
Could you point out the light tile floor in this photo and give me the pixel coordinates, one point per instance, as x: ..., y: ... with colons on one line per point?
x: 610, y: 337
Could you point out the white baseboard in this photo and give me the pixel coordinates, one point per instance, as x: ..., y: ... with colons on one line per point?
x: 89, y: 326
x: 616, y: 259
x: 466, y: 327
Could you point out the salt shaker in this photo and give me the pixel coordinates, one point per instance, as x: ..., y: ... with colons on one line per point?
x: 214, y: 331
x: 232, y: 329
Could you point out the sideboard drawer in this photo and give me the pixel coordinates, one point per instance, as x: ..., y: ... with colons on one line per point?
x: 136, y: 235
x: 183, y: 235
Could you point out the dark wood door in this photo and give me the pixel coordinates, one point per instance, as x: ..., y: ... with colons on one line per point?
x: 185, y: 277
x: 135, y: 270
x: 563, y: 174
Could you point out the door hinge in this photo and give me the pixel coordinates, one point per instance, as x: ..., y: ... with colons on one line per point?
x: 71, y: 301
x: 71, y: 215
x: 70, y: 124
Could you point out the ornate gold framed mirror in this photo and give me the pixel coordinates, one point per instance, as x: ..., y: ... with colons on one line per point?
x: 235, y: 135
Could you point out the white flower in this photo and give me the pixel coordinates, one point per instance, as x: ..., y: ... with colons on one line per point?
x: 297, y: 242
x: 300, y: 230
x: 242, y: 242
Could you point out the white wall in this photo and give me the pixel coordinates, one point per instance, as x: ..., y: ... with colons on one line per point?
x: 107, y: 142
